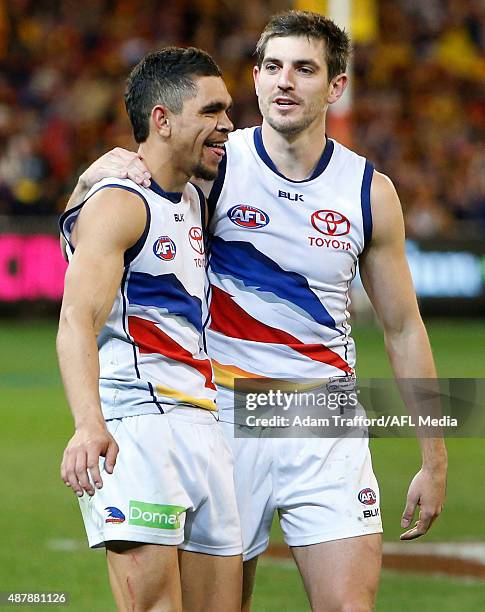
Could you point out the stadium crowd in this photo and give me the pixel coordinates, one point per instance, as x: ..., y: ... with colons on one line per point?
x: 419, y: 93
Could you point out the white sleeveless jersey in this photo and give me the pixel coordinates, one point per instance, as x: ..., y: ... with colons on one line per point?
x: 283, y: 254
x: 150, y: 349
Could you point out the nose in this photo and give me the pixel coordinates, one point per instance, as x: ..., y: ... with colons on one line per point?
x: 224, y: 124
x: 285, y: 79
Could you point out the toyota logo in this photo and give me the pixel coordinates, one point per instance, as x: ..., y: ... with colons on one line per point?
x: 196, y: 239
x: 330, y: 223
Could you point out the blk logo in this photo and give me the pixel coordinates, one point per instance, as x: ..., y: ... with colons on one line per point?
x: 196, y: 239
x: 367, y: 497
x: 178, y: 217
x: 248, y: 217
x: 296, y: 197
x: 330, y: 223
x: 164, y: 248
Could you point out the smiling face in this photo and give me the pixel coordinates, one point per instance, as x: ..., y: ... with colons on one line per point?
x: 199, y: 132
x: 292, y: 84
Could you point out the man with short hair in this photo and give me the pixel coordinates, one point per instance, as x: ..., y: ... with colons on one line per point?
x: 279, y: 310
x: 163, y: 502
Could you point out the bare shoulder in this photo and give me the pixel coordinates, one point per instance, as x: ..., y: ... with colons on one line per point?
x: 387, y: 217
x: 114, y: 215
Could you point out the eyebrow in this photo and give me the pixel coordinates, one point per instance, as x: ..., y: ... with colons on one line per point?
x: 299, y: 62
x: 215, y: 107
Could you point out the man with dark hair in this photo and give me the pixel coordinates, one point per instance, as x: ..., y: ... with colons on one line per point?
x: 311, y: 26
x: 279, y: 310
x: 130, y: 348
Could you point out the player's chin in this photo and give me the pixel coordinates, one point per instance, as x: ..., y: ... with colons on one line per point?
x: 285, y: 125
x: 205, y: 171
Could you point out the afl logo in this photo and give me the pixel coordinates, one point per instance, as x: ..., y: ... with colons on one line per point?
x: 248, y: 216
x: 164, y: 248
x: 367, y: 497
x: 196, y: 239
x: 330, y: 223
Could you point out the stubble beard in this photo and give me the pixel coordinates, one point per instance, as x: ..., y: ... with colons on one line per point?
x: 288, y: 126
x: 206, y: 174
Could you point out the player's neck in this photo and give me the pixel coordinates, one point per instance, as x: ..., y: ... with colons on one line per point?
x: 160, y: 164
x: 295, y: 156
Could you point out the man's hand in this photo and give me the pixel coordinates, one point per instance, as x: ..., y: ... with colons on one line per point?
x: 80, y: 463
x: 118, y: 163
x: 427, y: 490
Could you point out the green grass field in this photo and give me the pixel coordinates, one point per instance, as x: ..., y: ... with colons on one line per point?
x: 43, y: 544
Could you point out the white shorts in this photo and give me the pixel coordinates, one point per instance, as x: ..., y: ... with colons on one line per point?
x: 324, y: 489
x: 172, y: 484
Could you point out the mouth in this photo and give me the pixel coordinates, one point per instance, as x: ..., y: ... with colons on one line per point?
x: 216, y: 148
x: 285, y: 103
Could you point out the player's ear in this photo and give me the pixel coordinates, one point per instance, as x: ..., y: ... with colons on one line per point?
x: 337, y: 87
x: 161, y: 121
x: 256, y: 78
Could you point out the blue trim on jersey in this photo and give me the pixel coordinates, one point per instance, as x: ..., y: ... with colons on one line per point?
x: 173, y: 196
x: 242, y: 261
x: 167, y: 292
x: 64, y: 219
x: 130, y: 253
x: 319, y: 168
x: 154, y: 397
x: 201, y: 195
x: 217, y: 186
x: 365, y: 202
x: 124, y: 320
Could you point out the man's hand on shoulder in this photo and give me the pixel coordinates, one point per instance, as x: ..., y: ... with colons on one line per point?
x: 118, y: 163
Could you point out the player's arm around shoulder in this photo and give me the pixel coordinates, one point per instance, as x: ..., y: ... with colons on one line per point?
x: 110, y: 222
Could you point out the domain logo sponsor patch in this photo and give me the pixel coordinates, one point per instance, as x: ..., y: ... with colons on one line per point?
x: 157, y: 516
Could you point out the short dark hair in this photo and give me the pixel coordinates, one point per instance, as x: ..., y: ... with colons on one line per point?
x: 311, y: 25
x: 164, y: 77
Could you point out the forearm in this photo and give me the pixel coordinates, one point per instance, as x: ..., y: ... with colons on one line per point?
x: 79, y: 364
x: 412, y: 361
x: 409, y: 351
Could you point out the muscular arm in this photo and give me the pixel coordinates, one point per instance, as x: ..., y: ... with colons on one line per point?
x: 110, y: 222
x: 387, y: 280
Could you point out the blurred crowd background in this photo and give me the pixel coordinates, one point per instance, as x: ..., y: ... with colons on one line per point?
x: 418, y: 110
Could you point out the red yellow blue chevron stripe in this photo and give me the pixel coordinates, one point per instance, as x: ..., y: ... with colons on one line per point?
x: 229, y: 319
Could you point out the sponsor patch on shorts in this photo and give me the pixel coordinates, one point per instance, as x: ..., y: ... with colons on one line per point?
x: 157, y: 516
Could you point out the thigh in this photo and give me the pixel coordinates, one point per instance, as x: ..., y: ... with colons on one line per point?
x: 144, y: 576
x: 249, y: 578
x: 341, y: 575
x: 210, y: 582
